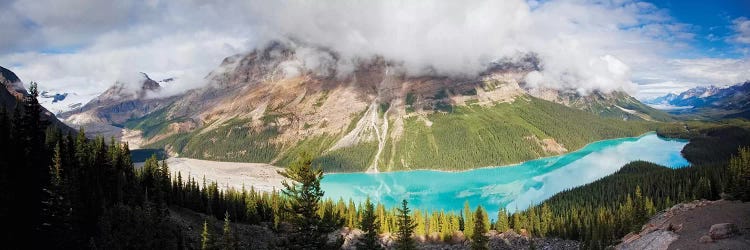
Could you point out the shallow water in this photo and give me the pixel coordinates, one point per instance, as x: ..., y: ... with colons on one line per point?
x: 514, y: 186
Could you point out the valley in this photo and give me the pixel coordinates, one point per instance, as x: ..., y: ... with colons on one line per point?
x: 379, y: 119
x: 510, y: 187
x: 374, y: 125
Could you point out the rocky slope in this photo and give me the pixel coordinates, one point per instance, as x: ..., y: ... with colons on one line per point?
x: 270, y: 104
x: 696, y: 225
x: 12, y: 91
x: 105, y: 114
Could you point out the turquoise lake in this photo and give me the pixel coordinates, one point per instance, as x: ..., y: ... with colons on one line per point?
x: 513, y: 186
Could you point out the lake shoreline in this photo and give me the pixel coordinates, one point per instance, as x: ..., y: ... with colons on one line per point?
x: 507, y: 165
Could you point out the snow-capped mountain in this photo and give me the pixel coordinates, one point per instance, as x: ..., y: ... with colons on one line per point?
x: 732, y: 100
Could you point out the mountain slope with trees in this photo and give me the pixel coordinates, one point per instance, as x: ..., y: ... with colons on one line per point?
x: 268, y: 105
x: 76, y: 192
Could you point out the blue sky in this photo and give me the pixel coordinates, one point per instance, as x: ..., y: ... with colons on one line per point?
x: 644, y: 48
x: 711, y: 21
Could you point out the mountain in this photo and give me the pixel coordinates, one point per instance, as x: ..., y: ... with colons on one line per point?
x: 272, y: 103
x: 13, y: 92
x: 711, y: 102
x: 105, y: 114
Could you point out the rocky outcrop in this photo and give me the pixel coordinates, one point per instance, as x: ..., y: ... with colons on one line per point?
x: 695, y: 225
x: 722, y: 231
x: 505, y: 240
x: 656, y: 239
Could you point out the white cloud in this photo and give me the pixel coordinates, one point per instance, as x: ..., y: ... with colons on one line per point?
x: 584, y: 45
x: 188, y: 57
x: 741, y: 27
x: 677, y: 75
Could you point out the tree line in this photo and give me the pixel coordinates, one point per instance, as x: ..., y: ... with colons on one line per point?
x: 77, y: 192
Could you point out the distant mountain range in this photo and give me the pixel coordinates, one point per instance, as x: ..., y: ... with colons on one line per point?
x: 711, y: 102
x: 272, y: 103
x: 105, y: 114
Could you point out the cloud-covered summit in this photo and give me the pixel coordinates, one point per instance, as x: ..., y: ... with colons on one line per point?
x: 85, y: 46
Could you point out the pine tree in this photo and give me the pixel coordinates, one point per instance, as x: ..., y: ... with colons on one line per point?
x: 369, y: 240
x: 640, y: 206
x: 502, y: 224
x: 404, y: 239
x: 351, y: 216
x: 56, y: 211
x: 304, y: 196
x: 468, y: 220
x: 421, y: 227
x: 517, y: 222
x: 228, y: 241
x: 739, y: 174
x: 546, y: 220
x: 206, y: 237
x: 251, y: 210
x: 479, y: 240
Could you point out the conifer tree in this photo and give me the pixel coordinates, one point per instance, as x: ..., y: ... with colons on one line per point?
x: 228, y: 240
x: 421, y: 227
x: 370, y: 227
x: 517, y: 222
x: 304, y: 194
x: 739, y: 174
x: 545, y: 219
x: 404, y: 239
x: 206, y: 237
x: 502, y: 224
x: 351, y: 215
x: 468, y: 220
x: 479, y: 241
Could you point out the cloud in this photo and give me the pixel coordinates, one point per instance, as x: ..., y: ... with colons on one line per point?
x: 677, y: 75
x: 583, y: 45
x: 741, y: 26
x: 188, y: 57
x: 84, y: 46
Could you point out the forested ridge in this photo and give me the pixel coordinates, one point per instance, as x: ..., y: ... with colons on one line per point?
x: 79, y: 193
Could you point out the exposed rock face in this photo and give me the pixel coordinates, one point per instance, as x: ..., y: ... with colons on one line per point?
x: 290, y: 94
x: 722, y: 231
x: 695, y: 225
x: 12, y: 88
x: 654, y: 240
x: 105, y: 114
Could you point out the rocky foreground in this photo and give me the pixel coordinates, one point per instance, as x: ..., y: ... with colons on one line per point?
x: 261, y: 237
x: 696, y: 225
x: 505, y: 240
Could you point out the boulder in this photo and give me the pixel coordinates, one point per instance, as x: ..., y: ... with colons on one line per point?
x: 722, y: 231
x: 705, y: 239
x: 674, y: 228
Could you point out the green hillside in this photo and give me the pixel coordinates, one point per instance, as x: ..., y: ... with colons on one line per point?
x: 466, y: 137
x: 474, y: 136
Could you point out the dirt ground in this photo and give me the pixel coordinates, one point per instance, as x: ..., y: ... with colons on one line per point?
x: 262, y: 177
x: 697, y: 222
